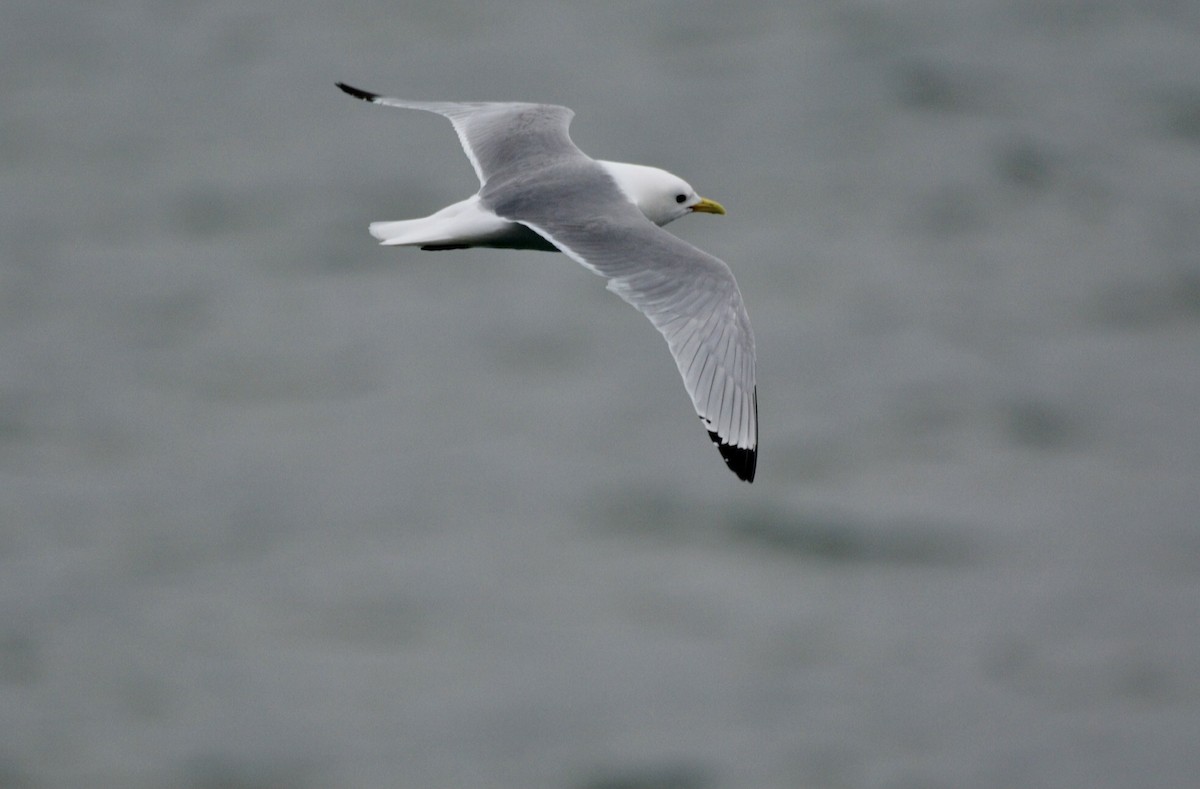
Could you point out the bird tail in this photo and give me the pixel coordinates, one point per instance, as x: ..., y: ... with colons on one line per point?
x: 405, y: 232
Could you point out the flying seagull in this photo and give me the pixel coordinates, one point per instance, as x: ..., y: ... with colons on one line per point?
x: 538, y: 191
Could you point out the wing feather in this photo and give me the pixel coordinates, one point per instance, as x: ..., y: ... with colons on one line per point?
x: 692, y: 298
x: 500, y: 138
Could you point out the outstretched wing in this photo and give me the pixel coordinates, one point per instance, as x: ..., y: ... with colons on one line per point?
x: 689, y: 295
x: 692, y: 299
x: 498, y: 137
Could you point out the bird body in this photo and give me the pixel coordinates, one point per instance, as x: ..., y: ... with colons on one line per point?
x: 468, y: 223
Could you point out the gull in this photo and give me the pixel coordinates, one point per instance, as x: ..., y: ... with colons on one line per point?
x: 539, y: 192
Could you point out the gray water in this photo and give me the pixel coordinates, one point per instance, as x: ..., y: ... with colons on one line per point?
x: 282, y: 508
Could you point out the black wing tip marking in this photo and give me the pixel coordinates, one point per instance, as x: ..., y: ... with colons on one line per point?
x: 740, y: 461
x: 357, y: 93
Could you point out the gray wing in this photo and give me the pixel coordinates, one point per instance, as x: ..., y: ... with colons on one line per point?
x: 498, y: 137
x: 690, y: 296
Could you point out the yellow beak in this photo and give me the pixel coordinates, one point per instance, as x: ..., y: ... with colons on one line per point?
x: 706, y: 206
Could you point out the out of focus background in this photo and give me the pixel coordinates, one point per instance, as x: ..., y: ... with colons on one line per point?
x: 282, y: 508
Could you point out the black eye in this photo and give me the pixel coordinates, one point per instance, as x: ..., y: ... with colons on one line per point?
x: 680, y: 198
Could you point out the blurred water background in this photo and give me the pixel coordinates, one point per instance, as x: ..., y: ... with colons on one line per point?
x: 281, y: 508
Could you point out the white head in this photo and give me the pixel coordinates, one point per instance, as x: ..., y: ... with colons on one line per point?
x: 661, y: 196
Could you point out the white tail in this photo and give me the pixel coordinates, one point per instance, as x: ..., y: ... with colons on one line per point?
x: 463, y: 224
x: 403, y: 232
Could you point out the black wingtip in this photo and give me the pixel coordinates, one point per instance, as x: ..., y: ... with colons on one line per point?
x: 357, y: 93
x: 740, y: 461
